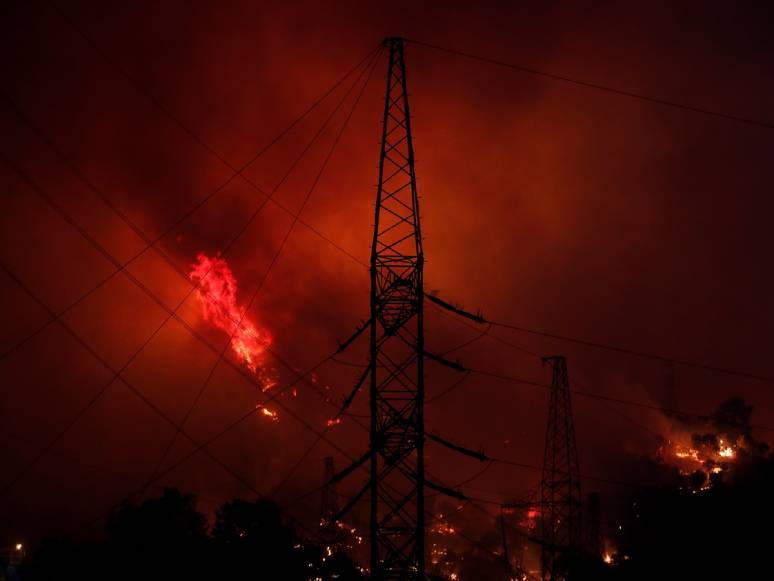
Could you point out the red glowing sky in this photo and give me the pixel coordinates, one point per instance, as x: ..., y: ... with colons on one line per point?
x: 543, y: 204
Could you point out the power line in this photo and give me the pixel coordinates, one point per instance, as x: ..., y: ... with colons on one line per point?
x: 176, y: 120
x: 600, y: 345
x: 602, y: 397
x: 173, y: 226
x: 307, y: 425
x: 101, y: 249
x: 158, y: 411
x: 588, y: 394
x: 111, y: 259
x: 207, y: 442
x: 258, y: 288
x: 116, y: 375
x: 295, y: 221
x: 187, y: 130
x: 634, y: 353
x: 296, y: 216
x: 172, y: 313
x: 596, y: 86
x: 539, y: 357
x: 182, y: 126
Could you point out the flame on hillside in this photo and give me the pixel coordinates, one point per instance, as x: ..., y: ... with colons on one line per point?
x: 217, y: 293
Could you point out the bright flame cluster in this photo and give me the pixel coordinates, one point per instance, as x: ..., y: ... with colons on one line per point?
x: 697, y: 456
x: 217, y: 293
x: 271, y: 414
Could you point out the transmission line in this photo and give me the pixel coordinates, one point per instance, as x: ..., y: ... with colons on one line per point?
x: 596, y: 86
x: 178, y: 222
x: 282, y: 245
x: 602, y: 397
x: 172, y: 313
x: 178, y: 122
x: 633, y: 352
x: 241, y: 371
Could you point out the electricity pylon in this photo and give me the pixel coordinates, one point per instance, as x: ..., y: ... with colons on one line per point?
x: 397, y: 346
x: 560, y: 492
x: 329, y: 499
x: 593, y: 526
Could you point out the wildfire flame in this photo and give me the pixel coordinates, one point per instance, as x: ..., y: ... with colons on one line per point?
x: 708, y: 453
x: 268, y: 413
x: 217, y: 295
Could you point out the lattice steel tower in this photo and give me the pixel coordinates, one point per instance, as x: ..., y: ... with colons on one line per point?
x: 560, y: 492
x: 593, y: 526
x: 397, y: 343
x: 329, y: 498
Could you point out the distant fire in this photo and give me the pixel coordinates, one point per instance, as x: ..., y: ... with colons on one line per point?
x: 217, y: 294
x: 710, y: 454
x: 272, y: 415
x: 443, y: 528
x: 704, y: 448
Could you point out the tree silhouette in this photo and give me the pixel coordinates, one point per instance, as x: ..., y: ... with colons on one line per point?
x: 167, y: 538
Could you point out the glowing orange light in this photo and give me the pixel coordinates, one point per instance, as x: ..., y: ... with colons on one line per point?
x: 333, y: 422
x: 443, y: 529
x: 217, y: 294
x: 268, y: 413
x: 702, y: 456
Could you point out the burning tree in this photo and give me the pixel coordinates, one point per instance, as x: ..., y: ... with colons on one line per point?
x: 704, y: 448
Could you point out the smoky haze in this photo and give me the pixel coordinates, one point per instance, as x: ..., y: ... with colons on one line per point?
x: 548, y: 205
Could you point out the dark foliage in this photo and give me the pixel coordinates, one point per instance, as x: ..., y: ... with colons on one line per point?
x: 167, y: 538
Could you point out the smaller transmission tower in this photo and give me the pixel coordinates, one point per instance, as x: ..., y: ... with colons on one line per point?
x: 329, y: 500
x: 330, y: 530
x: 593, y: 526
x: 560, y: 492
x: 670, y: 399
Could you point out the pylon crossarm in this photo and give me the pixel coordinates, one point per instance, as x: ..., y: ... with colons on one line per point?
x: 343, y: 346
x: 446, y: 491
x: 457, y: 448
x: 478, y: 318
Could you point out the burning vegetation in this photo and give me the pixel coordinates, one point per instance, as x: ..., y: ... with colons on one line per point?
x: 703, y: 449
x: 217, y: 293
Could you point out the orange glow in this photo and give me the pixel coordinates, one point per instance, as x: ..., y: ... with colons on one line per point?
x: 710, y: 454
x: 443, y: 528
x: 268, y: 413
x: 217, y: 294
x: 333, y: 422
